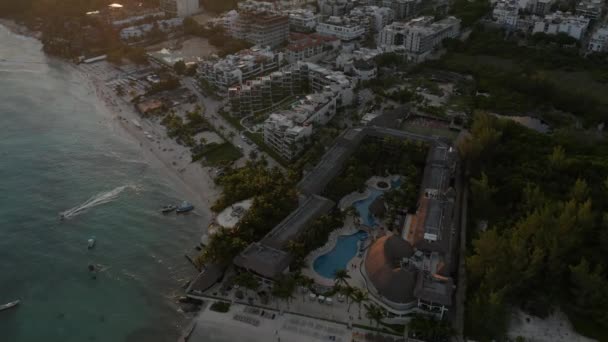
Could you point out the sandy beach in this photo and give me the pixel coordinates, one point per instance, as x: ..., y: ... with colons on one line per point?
x: 191, y: 180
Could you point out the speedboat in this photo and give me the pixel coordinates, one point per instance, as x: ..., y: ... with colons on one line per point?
x: 9, y: 305
x: 184, y: 207
x: 167, y: 209
x: 91, y: 243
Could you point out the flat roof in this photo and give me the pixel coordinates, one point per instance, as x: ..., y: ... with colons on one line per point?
x: 288, y: 229
x: 263, y: 260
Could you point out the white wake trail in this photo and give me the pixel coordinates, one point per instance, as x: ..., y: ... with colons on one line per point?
x: 94, y: 201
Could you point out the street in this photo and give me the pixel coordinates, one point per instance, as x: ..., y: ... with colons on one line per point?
x: 211, y: 108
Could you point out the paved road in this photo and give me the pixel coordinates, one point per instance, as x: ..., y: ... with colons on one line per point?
x: 211, y: 108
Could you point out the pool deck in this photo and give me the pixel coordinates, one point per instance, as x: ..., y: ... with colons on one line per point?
x: 349, y: 228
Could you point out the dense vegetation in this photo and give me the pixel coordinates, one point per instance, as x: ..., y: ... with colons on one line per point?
x: 540, y: 77
x: 313, y: 237
x: 274, y: 197
x: 66, y: 29
x: 217, y: 37
x: 392, y: 156
x: 544, y: 200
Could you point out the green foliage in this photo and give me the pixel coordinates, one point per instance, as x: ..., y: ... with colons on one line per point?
x: 313, y: 237
x: 529, y: 78
x: 404, y: 158
x: 470, y: 11
x: 184, y: 132
x: 168, y: 82
x: 180, y: 67
x: 427, y: 328
x: 220, y: 306
x: 544, y: 247
x: 274, y: 197
x: 219, y: 6
x: 216, y: 36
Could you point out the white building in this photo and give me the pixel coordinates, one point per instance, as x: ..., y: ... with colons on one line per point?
x: 506, y: 13
x: 559, y: 22
x: 309, y: 47
x: 538, y: 7
x: 180, y: 8
x: 360, y: 63
x: 285, y: 131
x: 234, y: 69
x: 301, y: 20
x: 590, y: 9
x: 138, y: 32
x: 419, y: 36
x: 260, y: 24
x: 599, y: 40
x: 335, y: 7
x: 377, y: 17
x: 342, y: 28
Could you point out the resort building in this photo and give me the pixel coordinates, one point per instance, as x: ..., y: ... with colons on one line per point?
x: 259, y: 24
x: 309, y: 47
x: 402, y: 9
x: 374, y: 17
x: 590, y: 9
x: 268, y: 257
x: 285, y: 131
x: 359, y: 62
x: 506, y: 13
x: 335, y: 7
x: 410, y: 271
x: 343, y: 28
x: 405, y: 272
x: 301, y: 20
x: 419, y: 36
x: 180, y: 8
x: 134, y: 19
x: 559, y: 22
x: 268, y: 92
x: 599, y: 40
x: 139, y: 32
x: 235, y: 69
x: 539, y: 7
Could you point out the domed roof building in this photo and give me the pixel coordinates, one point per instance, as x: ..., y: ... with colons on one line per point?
x: 383, y: 265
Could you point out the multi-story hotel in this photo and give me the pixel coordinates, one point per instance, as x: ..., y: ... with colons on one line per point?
x: 419, y: 36
x: 235, y: 69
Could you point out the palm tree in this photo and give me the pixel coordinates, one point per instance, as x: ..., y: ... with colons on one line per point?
x: 305, y: 282
x: 374, y: 313
x: 359, y: 296
x: 348, y: 292
x: 341, y: 277
x: 283, y: 288
x: 247, y: 281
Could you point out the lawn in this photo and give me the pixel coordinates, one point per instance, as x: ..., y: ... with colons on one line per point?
x: 221, y: 155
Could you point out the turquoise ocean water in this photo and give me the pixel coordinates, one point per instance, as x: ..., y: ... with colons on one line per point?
x: 58, y: 151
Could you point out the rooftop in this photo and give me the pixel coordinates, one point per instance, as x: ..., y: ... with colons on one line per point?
x: 312, y: 208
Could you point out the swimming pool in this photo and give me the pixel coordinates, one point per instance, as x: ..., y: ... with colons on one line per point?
x: 362, y: 206
x: 337, y: 259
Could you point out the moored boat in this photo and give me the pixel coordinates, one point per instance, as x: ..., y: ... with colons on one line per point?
x: 9, y: 305
x: 184, y: 207
x: 167, y: 209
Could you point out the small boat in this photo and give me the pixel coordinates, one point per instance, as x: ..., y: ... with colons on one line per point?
x: 184, y: 207
x: 91, y: 243
x: 9, y: 305
x: 167, y: 209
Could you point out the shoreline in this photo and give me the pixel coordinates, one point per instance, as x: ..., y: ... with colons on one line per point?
x: 190, y: 180
x: 19, y: 29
